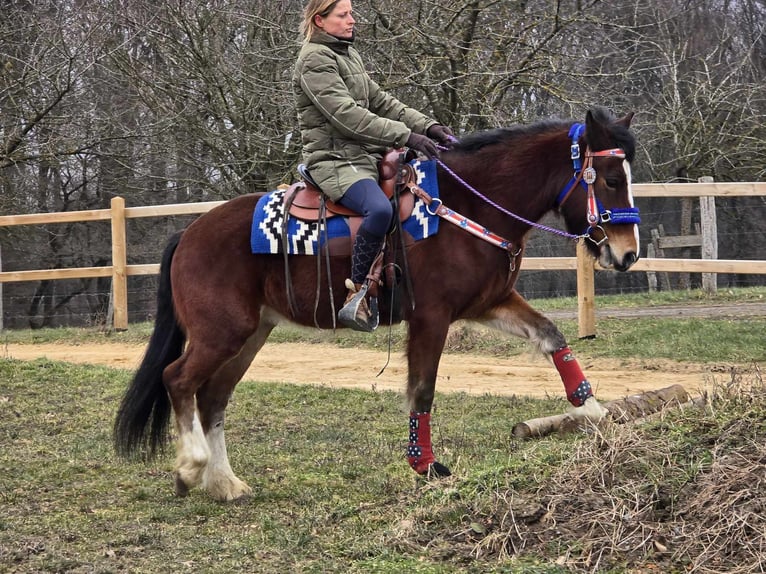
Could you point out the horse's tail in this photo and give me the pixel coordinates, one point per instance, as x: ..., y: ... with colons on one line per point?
x: 144, y: 415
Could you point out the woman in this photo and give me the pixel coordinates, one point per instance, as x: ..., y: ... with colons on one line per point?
x: 347, y: 123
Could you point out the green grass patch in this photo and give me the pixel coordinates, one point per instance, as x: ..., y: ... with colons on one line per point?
x: 694, y: 339
x: 333, y: 492
x: 658, y: 298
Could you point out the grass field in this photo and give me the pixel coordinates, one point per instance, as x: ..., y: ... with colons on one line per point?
x: 685, y: 492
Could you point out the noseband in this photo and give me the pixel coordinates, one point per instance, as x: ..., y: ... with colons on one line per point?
x: 585, y: 177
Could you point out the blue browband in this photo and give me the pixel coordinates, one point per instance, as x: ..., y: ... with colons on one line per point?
x: 616, y: 216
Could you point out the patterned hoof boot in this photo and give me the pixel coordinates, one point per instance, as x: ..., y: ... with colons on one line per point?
x: 357, y: 313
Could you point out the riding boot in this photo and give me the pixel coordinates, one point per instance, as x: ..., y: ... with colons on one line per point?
x: 357, y: 312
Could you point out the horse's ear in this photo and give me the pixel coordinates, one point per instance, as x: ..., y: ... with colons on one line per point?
x: 595, y: 129
x: 625, y: 120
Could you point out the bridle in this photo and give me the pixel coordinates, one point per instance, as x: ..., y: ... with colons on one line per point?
x: 585, y: 176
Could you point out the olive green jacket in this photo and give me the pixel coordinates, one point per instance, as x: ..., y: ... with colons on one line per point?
x: 347, y: 121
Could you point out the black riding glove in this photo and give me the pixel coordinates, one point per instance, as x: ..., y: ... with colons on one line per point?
x: 422, y: 144
x: 441, y: 134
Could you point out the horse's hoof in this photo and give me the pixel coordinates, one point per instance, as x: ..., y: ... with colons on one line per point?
x: 237, y: 491
x: 181, y: 488
x: 437, y: 470
x: 590, y: 410
x: 240, y: 500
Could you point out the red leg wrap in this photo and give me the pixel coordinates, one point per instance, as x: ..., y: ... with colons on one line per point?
x: 419, y: 452
x: 576, y: 385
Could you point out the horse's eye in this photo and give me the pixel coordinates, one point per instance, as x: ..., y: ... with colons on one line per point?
x: 612, y: 182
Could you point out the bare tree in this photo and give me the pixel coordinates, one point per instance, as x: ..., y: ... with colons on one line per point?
x: 217, y: 75
x: 185, y: 101
x: 478, y: 64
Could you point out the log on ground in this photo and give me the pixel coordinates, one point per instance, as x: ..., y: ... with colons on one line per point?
x: 620, y: 411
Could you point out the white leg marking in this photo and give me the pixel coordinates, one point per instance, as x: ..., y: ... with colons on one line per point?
x: 219, y: 479
x: 193, y: 453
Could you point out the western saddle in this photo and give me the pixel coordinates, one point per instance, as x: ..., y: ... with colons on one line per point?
x: 304, y: 199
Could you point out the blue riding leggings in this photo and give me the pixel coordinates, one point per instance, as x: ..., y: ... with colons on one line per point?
x: 366, y: 197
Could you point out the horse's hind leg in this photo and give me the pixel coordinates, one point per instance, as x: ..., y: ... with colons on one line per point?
x: 218, y: 478
x: 518, y: 318
x: 195, y: 368
x: 182, y: 379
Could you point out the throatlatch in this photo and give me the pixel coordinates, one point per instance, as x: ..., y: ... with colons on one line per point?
x: 577, y: 387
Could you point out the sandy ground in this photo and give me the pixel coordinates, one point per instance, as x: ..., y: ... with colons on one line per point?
x: 324, y: 364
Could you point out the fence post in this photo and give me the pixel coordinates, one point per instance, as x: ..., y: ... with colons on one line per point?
x: 119, y: 264
x: 709, y: 237
x: 2, y: 324
x: 651, y: 276
x: 586, y: 292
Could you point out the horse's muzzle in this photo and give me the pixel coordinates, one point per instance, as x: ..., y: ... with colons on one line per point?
x: 626, y: 262
x: 608, y: 258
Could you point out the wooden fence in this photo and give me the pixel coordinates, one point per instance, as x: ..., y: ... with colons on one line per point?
x: 586, y: 268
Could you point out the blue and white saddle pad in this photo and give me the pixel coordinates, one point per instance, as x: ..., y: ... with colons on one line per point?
x: 304, y: 237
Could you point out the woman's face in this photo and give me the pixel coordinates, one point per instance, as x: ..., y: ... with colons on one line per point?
x: 339, y: 22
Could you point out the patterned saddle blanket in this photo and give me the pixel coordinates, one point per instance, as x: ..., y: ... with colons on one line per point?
x: 304, y: 237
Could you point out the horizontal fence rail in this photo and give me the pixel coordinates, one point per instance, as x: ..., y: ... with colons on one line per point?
x: 582, y: 263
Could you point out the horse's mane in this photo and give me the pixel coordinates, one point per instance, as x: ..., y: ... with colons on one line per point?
x: 621, y: 135
x: 477, y: 140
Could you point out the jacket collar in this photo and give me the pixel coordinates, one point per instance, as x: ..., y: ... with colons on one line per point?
x: 336, y: 44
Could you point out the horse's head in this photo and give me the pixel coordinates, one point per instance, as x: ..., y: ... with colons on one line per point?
x: 599, y: 201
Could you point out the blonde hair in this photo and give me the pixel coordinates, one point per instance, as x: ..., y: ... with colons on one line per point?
x: 314, y: 8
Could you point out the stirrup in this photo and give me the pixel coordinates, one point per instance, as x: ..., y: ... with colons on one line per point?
x: 356, y: 314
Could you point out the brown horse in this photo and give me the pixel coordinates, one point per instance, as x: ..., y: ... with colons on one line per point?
x: 218, y: 302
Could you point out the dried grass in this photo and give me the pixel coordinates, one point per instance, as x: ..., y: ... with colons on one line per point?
x: 683, y: 493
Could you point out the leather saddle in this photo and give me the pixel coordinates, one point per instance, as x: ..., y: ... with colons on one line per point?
x: 304, y: 199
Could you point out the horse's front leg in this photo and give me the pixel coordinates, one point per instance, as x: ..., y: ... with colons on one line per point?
x: 517, y: 317
x: 424, y: 349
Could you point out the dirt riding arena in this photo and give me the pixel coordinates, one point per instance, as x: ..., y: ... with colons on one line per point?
x: 528, y: 375
x: 326, y: 364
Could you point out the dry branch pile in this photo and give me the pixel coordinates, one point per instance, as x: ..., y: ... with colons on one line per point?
x: 685, y: 492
